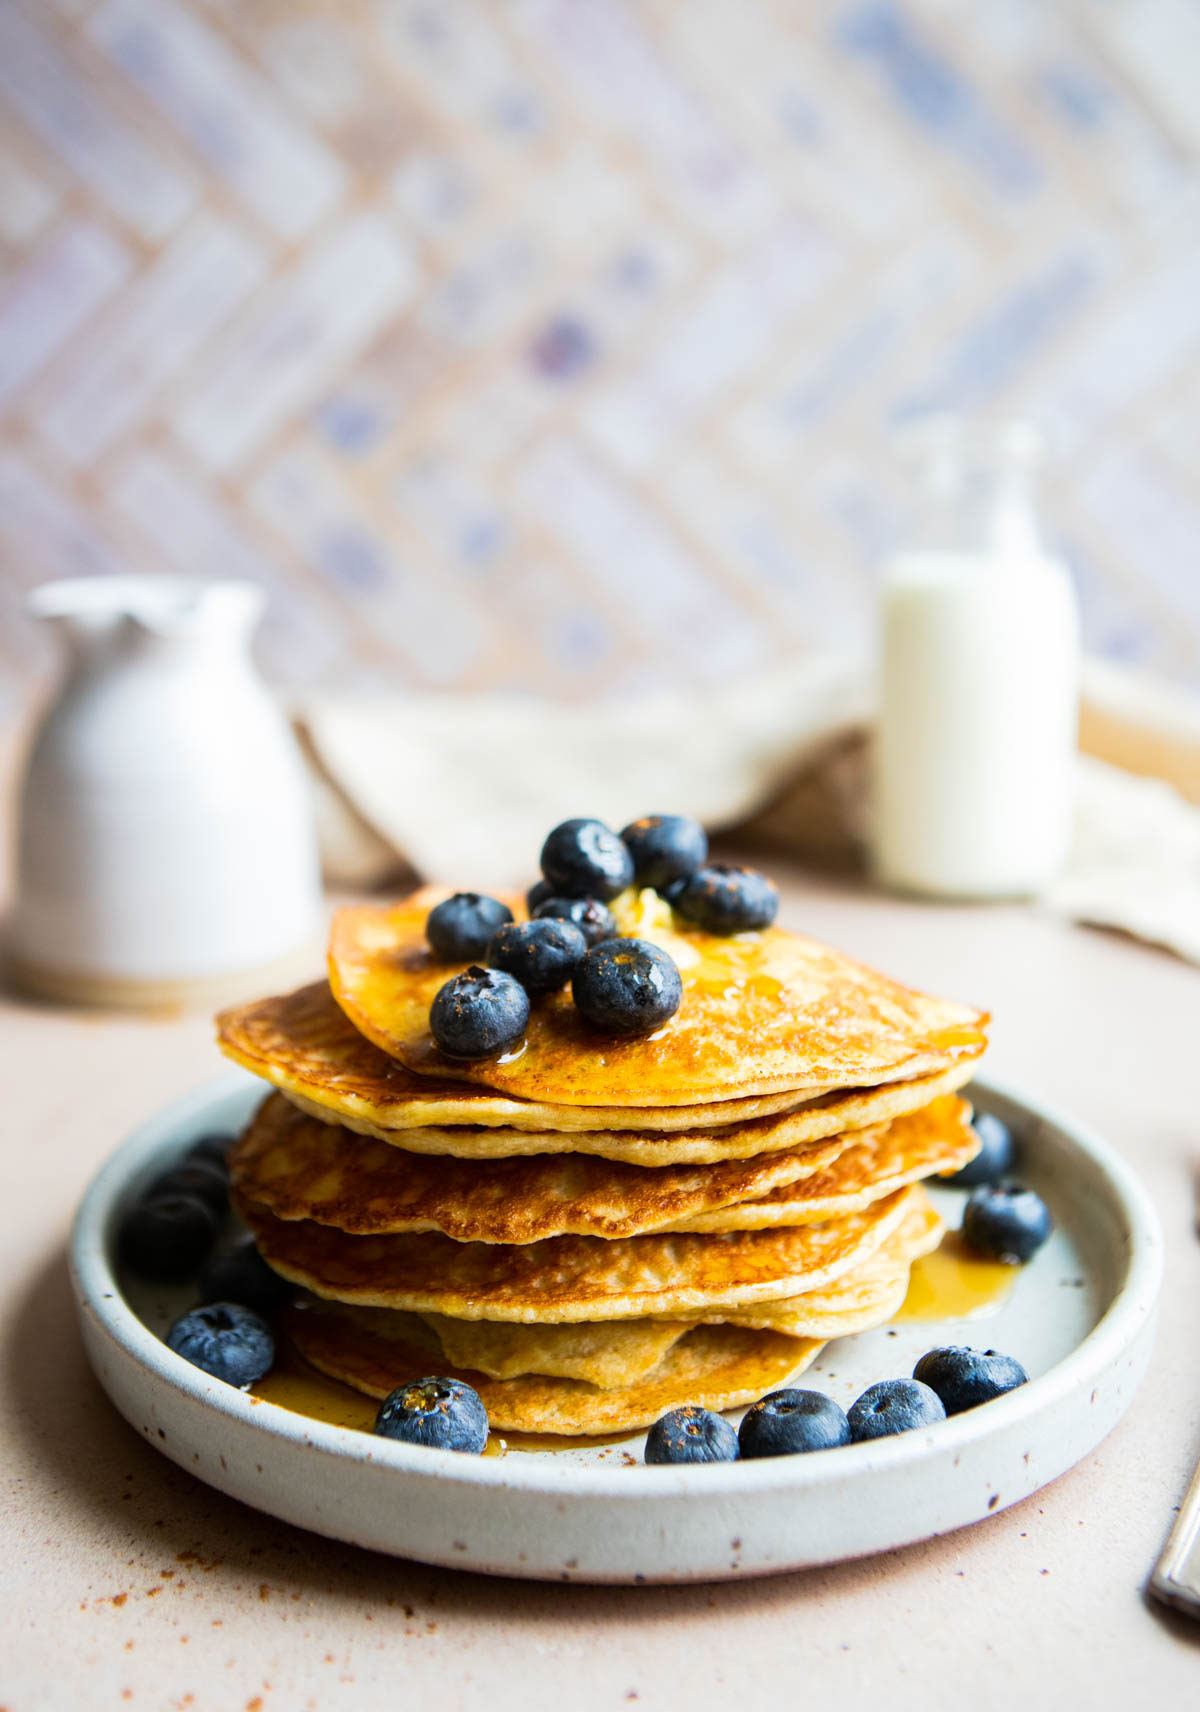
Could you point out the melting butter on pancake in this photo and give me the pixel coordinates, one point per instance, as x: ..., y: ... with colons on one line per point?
x: 304, y: 1045
x: 570, y: 1277
x: 299, y: 1168
x: 762, y: 1013
x: 716, y: 1367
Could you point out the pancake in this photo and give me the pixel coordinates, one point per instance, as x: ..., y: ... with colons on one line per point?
x: 866, y: 1296
x: 877, y: 1162
x: 299, y: 1168
x: 716, y: 1367
x: 571, y: 1277
x: 762, y: 1013
x: 303, y: 1044
x: 616, y: 1352
x: 604, y: 1353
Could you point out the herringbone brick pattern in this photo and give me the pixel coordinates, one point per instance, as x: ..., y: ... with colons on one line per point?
x: 561, y: 343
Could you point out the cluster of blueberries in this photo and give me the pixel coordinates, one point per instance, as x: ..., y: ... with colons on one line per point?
x: 621, y: 986
x: 171, y: 1234
x: 945, y: 1382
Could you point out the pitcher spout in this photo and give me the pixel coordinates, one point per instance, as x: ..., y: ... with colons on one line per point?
x: 95, y: 612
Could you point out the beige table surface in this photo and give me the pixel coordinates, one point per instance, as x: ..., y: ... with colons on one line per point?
x: 126, y: 1582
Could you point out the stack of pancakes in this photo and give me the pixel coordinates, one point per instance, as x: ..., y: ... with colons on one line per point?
x: 591, y: 1231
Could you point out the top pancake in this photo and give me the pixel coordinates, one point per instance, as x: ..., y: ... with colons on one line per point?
x: 762, y: 1013
x: 305, y: 1046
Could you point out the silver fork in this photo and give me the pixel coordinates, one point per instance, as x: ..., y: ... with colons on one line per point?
x: 1176, y: 1578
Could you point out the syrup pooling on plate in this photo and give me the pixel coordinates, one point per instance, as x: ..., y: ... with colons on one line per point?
x: 953, y: 1283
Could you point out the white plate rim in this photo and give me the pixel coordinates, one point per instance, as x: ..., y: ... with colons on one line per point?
x: 98, y: 1292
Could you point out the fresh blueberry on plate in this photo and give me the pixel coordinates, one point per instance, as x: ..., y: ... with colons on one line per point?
x: 240, y: 1274
x: 893, y: 1406
x: 724, y: 899
x: 963, y: 1378
x: 1005, y: 1222
x: 692, y: 1434
x: 225, y: 1340
x: 479, y: 1013
x: 786, y: 1422
x: 459, y: 927
x: 197, y: 1176
x: 996, y: 1157
x: 213, y: 1149
x: 589, y: 915
x: 586, y: 859
x: 665, y: 848
x: 540, y: 954
x: 443, y: 1414
x: 166, y: 1238
x: 626, y: 986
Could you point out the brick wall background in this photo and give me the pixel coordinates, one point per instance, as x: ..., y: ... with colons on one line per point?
x: 561, y: 343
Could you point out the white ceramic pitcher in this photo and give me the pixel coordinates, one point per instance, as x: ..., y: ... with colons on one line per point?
x: 166, y: 847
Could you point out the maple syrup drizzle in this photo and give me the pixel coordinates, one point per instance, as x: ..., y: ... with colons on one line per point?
x: 953, y: 1283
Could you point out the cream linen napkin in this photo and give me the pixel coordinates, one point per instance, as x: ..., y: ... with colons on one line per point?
x: 464, y: 788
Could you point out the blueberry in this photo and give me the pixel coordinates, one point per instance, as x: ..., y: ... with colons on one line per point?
x: 722, y: 899
x: 225, y: 1340
x: 692, y: 1434
x: 203, y: 1178
x: 539, y: 954
x: 665, y: 848
x: 240, y: 1274
x: 789, y: 1421
x: 964, y: 1378
x: 166, y: 1238
x: 996, y: 1157
x: 459, y: 927
x: 537, y: 894
x: 479, y: 1013
x: 585, y: 859
x: 893, y: 1406
x: 444, y: 1414
x: 213, y: 1149
x: 626, y: 986
x: 1005, y: 1222
x: 589, y: 915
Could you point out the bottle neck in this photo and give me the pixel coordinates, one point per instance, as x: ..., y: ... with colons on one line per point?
x: 976, y: 488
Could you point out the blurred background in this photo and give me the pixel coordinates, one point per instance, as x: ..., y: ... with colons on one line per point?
x: 559, y: 345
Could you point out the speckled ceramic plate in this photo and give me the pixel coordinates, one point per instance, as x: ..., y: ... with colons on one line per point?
x: 1080, y: 1317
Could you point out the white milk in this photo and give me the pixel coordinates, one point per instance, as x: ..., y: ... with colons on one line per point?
x: 979, y: 695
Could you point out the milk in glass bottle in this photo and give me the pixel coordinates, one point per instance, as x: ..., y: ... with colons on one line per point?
x: 979, y: 686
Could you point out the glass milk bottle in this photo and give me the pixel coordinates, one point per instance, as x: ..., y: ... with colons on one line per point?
x: 978, y: 712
